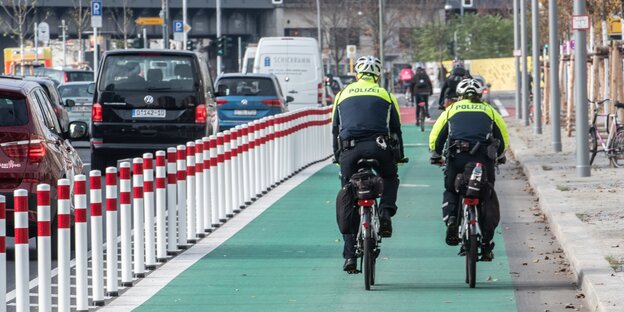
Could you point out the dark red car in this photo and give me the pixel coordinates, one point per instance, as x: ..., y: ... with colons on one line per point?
x: 33, y: 148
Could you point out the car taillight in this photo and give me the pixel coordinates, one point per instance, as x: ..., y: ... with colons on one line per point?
x: 273, y: 102
x: 221, y: 102
x: 34, y: 149
x: 65, y: 77
x: 96, y: 112
x: 319, y: 95
x: 200, y: 114
x: 485, y: 91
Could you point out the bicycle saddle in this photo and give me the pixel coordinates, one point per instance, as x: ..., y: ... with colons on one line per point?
x: 368, y: 163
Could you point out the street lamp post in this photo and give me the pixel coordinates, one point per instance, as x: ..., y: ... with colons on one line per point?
x: 318, y: 25
x: 580, y: 94
x: 381, y: 42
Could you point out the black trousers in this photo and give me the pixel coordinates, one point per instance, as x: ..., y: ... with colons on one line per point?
x: 450, y: 204
x: 387, y: 171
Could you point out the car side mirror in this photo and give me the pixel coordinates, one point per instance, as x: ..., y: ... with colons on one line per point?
x: 78, y: 130
x: 70, y: 103
x: 91, y: 88
x: 289, y: 99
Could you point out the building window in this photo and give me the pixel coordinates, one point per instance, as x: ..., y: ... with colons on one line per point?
x: 301, y: 32
x: 406, y: 37
x: 341, y: 37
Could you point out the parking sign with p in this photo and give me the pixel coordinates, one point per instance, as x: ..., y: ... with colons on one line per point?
x: 96, y: 13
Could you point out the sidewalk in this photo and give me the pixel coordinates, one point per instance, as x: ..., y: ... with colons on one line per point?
x: 585, y: 213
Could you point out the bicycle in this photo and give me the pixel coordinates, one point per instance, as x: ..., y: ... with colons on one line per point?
x: 368, y: 188
x: 613, y: 145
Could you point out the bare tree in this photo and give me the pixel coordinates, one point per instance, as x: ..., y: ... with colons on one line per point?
x: 337, y: 21
x: 80, y: 17
x: 122, y: 18
x: 17, y: 17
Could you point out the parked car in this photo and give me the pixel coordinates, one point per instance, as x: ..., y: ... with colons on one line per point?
x: 245, y: 97
x: 33, y: 148
x: 146, y: 100
x: 487, y: 97
x: 55, y: 99
x: 336, y: 84
x: 78, y: 100
x: 63, y: 75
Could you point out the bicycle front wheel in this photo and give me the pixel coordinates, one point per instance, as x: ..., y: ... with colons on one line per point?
x: 369, y: 263
x: 471, y: 260
x: 616, y: 150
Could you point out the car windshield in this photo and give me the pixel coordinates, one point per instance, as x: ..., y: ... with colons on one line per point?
x: 12, y: 110
x: 80, y: 76
x: 71, y: 91
x: 246, y: 86
x: 149, y: 72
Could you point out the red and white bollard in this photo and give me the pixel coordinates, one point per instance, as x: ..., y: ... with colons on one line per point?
x: 234, y: 171
x: 221, y: 177
x: 277, y: 164
x: 138, y: 218
x: 125, y: 209
x: 271, y: 153
x: 64, y: 241
x: 161, y: 204
x: 3, y: 264
x: 148, y: 210
x: 199, y: 188
x: 172, y: 201
x: 214, y: 191
x: 80, y: 216
x: 240, y: 174
x: 251, y: 173
x: 20, y: 200
x: 190, y: 192
x: 206, y: 185
x: 111, y: 232
x: 257, y: 142
x: 44, y: 248
x: 227, y: 172
x: 181, y: 164
x: 245, y: 166
x: 97, y: 253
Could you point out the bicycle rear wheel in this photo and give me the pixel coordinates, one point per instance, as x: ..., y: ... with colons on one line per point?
x: 616, y: 150
x: 471, y: 260
x: 593, y: 145
x: 369, y: 263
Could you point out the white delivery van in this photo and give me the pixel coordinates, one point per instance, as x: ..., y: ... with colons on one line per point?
x: 248, y: 58
x: 296, y: 61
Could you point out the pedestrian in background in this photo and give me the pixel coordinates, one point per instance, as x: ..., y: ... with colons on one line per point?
x: 421, y: 90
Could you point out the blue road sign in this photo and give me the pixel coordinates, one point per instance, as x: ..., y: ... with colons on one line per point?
x: 178, y: 26
x: 96, y: 8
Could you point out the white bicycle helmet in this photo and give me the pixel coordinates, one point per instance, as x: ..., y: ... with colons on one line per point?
x: 368, y: 65
x: 468, y: 86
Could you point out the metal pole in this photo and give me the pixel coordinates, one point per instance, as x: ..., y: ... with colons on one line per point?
x: 184, y: 20
x: 145, y: 38
x: 95, y: 52
x: 63, y: 29
x: 517, y: 59
x: 219, y: 34
x: 580, y: 95
x: 36, y: 45
x: 318, y: 26
x: 165, y: 28
x: 555, y: 102
x: 461, y: 8
x: 537, y: 102
x: 240, y: 54
x: 524, y: 73
x: 381, y: 41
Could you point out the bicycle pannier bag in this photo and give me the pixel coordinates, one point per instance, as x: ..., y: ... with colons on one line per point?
x: 367, y: 185
x: 347, y: 215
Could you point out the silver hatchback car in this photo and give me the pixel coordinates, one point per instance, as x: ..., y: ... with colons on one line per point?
x: 77, y: 100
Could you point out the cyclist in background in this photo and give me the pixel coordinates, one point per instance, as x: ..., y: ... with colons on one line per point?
x: 405, y: 76
x: 472, y: 121
x: 366, y: 124
x: 421, y: 89
x: 448, y: 93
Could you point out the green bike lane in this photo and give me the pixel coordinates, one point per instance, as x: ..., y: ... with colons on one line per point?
x: 289, y: 258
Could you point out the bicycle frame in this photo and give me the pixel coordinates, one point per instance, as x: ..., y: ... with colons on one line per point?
x: 369, y: 221
x: 470, y: 222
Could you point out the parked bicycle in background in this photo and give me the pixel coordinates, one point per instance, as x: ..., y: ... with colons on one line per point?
x: 613, y: 144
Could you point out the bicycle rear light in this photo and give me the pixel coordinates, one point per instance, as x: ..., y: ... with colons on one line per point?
x: 471, y: 201
x: 366, y: 202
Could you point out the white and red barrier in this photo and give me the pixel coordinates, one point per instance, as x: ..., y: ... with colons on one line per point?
x: 44, y: 248
x: 3, y: 267
x: 190, y: 190
x: 97, y: 238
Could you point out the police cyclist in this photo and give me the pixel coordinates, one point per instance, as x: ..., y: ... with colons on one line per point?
x: 366, y: 124
x: 448, y: 92
x: 458, y: 129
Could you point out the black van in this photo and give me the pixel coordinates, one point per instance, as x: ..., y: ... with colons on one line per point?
x: 145, y: 100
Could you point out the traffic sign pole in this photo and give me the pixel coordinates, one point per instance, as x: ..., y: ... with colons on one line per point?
x: 96, y: 21
x: 184, y: 20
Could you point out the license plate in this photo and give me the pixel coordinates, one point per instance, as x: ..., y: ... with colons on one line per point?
x: 81, y: 108
x: 245, y: 112
x: 149, y: 113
